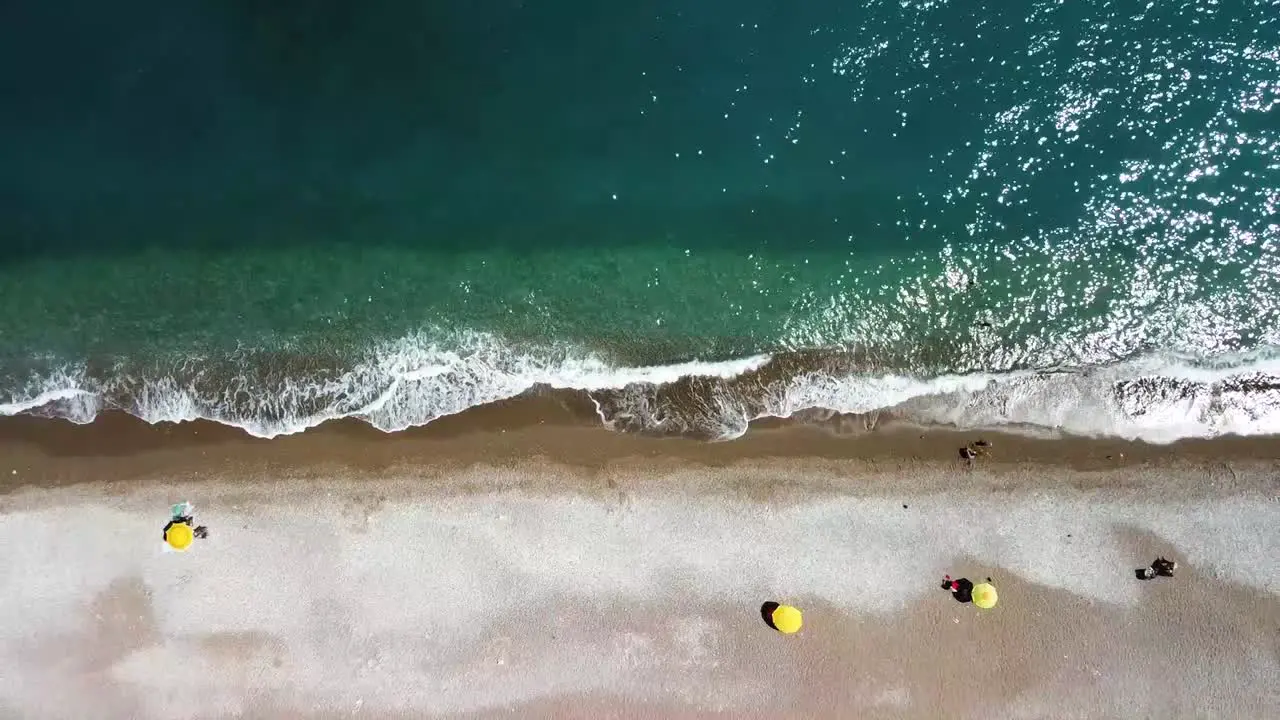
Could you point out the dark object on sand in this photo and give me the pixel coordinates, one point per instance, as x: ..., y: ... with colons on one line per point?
x: 1161, y: 567
x: 766, y: 613
x: 961, y: 590
x: 974, y: 449
x: 199, y: 531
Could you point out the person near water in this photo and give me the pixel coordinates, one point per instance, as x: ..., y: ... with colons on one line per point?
x: 974, y: 450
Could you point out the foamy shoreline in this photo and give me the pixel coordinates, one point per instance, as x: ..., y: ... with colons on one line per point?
x: 412, y: 382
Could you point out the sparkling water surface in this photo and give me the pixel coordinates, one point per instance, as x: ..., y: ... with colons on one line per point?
x: 219, y: 208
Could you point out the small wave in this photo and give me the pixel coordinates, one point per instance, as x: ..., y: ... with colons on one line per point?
x: 393, y: 386
x: 415, y: 380
x: 1156, y: 398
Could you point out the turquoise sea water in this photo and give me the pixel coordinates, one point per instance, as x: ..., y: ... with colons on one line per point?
x: 1052, y: 214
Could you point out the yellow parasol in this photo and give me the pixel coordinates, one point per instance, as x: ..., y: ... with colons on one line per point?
x: 984, y: 595
x: 787, y: 619
x: 179, y: 535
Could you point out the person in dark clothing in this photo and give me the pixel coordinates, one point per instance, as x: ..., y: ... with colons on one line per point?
x: 961, y: 589
x: 199, y: 531
x: 1161, y: 567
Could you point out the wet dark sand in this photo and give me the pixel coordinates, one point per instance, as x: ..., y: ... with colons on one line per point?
x: 50, y: 453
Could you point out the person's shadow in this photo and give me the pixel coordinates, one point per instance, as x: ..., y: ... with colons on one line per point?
x: 766, y: 613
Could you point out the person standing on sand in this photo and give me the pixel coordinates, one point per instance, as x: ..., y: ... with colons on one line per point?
x: 961, y: 590
x: 1161, y: 567
x: 183, y: 514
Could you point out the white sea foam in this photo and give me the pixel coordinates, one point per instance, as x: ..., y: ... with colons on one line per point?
x: 1157, y: 399
x: 395, y: 386
x: 1140, y: 400
x: 416, y: 380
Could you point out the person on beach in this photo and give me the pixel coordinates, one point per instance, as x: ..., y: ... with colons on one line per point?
x: 983, y: 595
x: 961, y: 589
x: 181, y: 528
x: 1161, y: 567
x: 973, y: 450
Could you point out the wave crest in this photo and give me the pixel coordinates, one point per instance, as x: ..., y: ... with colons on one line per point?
x: 415, y: 380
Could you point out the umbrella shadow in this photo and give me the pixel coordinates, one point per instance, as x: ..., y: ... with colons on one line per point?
x: 766, y: 613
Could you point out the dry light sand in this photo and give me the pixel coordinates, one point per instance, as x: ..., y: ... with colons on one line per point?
x: 587, y: 575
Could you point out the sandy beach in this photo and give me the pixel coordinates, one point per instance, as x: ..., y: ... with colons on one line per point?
x: 523, y: 563
x: 518, y: 359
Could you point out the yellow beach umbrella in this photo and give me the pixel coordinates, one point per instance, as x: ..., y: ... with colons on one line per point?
x: 787, y: 619
x: 984, y: 595
x: 179, y: 535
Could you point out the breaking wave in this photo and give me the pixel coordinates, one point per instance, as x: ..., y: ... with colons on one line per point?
x: 413, y: 381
